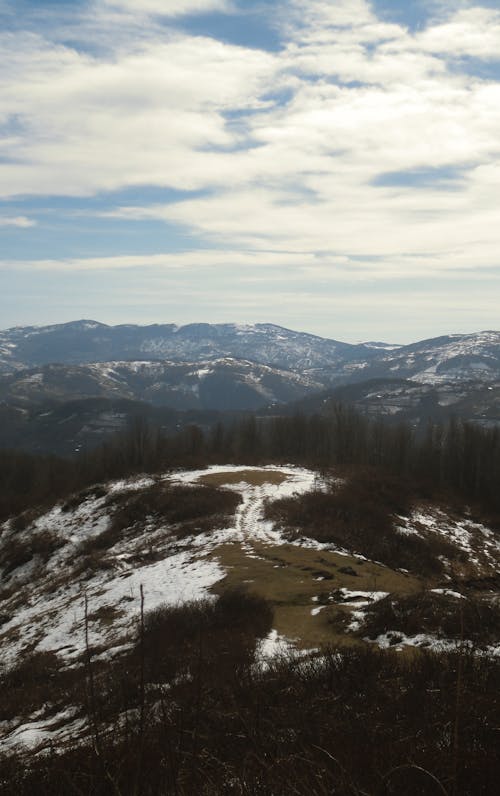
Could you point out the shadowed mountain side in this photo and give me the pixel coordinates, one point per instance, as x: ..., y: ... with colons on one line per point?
x: 226, y: 384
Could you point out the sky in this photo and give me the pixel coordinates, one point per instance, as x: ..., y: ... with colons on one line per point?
x: 332, y: 166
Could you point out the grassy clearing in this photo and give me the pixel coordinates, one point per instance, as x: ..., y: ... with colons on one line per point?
x: 290, y: 576
x: 252, y: 477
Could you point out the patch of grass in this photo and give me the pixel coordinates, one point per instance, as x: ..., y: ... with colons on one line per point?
x: 102, y: 542
x: 188, y: 510
x: 45, y: 544
x: 105, y: 615
x: 21, y: 521
x: 75, y: 501
x: 287, y: 576
x: 252, y: 477
x: 90, y: 562
x: 17, y: 552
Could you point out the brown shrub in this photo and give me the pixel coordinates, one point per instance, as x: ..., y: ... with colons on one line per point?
x: 76, y: 500
x: 189, y: 508
x: 359, y: 514
x: 14, y: 554
x: 441, y: 615
x: 222, y: 632
x: 334, y: 725
x: 21, y: 522
x: 44, y: 544
x: 17, y: 552
x: 36, y: 681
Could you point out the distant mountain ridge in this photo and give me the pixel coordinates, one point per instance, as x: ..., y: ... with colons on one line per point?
x: 85, y: 341
x: 303, y: 361
x: 67, y: 386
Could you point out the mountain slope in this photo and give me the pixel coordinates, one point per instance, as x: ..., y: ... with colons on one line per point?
x: 448, y: 358
x: 405, y: 400
x: 88, y: 341
x: 222, y: 384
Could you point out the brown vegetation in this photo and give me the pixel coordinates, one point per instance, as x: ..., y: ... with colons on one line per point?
x: 441, y: 615
x: 458, y: 462
x: 187, y: 711
x: 359, y: 514
x: 18, y: 551
x: 191, y: 509
x: 360, y: 723
x: 37, y: 681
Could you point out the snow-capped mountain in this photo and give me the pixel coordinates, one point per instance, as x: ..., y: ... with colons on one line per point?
x: 450, y: 358
x: 231, y: 367
x: 401, y: 400
x: 322, y: 360
x: 88, y: 341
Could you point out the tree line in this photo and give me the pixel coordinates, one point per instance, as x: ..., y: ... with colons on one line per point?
x: 459, y: 459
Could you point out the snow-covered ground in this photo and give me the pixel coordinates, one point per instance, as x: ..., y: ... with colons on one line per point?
x: 250, y: 524
x: 47, y: 606
x: 476, y: 541
x: 43, y: 603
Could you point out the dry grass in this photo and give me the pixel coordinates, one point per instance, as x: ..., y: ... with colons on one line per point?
x: 252, y: 477
x: 288, y: 576
x: 106, y: 615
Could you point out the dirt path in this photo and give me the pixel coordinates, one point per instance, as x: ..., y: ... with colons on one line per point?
x: 250, y: 522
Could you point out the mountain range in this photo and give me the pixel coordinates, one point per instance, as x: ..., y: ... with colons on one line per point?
x: 452, y: 357
x: 84, y: 342
x: 228, y: 368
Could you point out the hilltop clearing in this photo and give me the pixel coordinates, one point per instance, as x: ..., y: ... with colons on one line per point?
x: 197, y: 534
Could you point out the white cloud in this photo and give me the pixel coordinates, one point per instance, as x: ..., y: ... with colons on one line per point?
x: 169, y: 8
x: 17, y: 221
x: 204, y: 259
x: 263, y: 266
x: 297, y: 177
x: 135, y: 118
x: 471, y: 32
x: 318, y: 14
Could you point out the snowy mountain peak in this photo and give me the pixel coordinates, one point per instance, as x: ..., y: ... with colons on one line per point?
x: 324, y: 361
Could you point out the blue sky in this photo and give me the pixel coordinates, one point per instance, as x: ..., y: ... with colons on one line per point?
x: 328, y: 165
